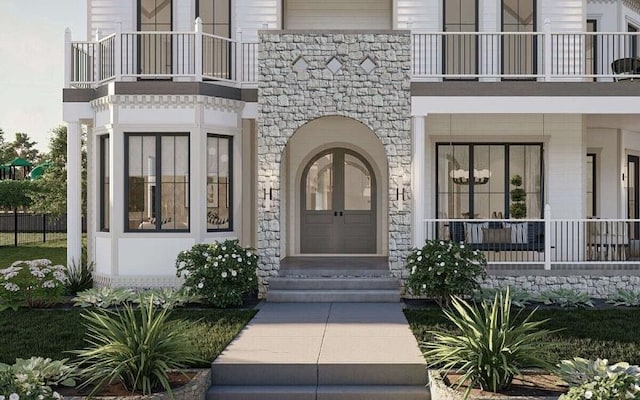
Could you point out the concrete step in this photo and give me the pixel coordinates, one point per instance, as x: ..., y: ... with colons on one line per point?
x: 300, y: 374
x: 333, y: 296
x: 312, y: 283
x: 322, y: 392
x: 321, y: 272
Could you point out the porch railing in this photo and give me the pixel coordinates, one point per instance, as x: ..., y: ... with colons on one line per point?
x: 489, y: 56
x: 546, y: 56
x: 547, y: 242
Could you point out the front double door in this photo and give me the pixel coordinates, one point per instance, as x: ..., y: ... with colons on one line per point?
x: 338, y: 204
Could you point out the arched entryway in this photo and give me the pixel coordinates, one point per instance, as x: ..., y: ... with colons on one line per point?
x: 338, y: 204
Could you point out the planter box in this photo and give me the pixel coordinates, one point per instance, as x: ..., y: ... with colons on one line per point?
x: 440, y: 391
x: 196, y: 389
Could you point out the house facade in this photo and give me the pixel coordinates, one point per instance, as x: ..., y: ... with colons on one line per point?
x: 324, y: 128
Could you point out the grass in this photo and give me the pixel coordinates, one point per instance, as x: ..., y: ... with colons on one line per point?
x: 606, y: 333
x: 51, y: 333
x: 54, y: 250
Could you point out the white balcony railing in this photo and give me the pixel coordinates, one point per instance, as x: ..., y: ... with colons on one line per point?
x: 577, y: 56
x: 547, y: 242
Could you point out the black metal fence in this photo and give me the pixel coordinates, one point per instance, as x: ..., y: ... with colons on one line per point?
x: 19, y: 228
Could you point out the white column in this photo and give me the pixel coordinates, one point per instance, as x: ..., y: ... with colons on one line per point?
x: 419, y: 167
x: 74, y: 191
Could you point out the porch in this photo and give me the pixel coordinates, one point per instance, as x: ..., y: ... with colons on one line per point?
x: 435, y: 56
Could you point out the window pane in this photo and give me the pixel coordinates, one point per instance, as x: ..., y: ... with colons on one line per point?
x: 357, y: 184
x: 174, y: 199
x: 453, y: 186
x: 142, y: 182
x: 105, y: 166
x: 219, y: 210
x: 488, y: 182
x: 319, y: 185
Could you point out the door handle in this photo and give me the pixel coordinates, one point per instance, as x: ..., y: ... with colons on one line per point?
x: 335, y: 213
x: 341, y: 213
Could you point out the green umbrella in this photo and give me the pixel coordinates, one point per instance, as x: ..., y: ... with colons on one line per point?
x: 20, y: 162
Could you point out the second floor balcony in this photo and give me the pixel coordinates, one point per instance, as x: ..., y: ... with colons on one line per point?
x: 436, y: 56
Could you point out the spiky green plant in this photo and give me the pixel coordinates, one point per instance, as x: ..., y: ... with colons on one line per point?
x: 135, y: 347
x: 492, y: 345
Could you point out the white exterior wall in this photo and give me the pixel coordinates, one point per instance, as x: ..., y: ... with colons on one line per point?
x: 103, y: 15
x: 605, y: 143
x: 562, y: 138
x: 252, y: 15
x: 421, y: 15
x: 630, y: 14
x: 147, y: 258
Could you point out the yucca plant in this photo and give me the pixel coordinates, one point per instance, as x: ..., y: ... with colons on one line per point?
x: 492, y: 345
x: 135, y: 347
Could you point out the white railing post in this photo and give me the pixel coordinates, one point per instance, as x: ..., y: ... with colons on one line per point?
x: 198, y: 49
x: 97, y: 57
x: 67, y: 58
x: 239, y: 59
x: 117, y: 53
x: 547, y: 61
x: 547, y: 237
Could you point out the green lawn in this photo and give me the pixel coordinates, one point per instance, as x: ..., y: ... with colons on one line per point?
x: 54, y: 250
x: 604, y: 333
x: 51, y: 333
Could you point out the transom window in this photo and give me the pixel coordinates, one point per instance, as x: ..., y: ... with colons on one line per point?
x: 157, y: 181
x: 219, y: 179
x: 476, y: 180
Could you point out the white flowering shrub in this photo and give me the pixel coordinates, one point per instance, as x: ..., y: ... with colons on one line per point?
x: 222, y: 273
x: 32, y: 379
x: 597, y: 380
x: 33, y: 283
x: 442, y: 269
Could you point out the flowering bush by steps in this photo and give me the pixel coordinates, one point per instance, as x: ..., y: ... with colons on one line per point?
x: 34, y: 283
x: 222, y: 273
x: 31, y: 379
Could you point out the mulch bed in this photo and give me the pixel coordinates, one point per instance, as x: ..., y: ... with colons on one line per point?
x: 531, y: 384
x: 176, y: 380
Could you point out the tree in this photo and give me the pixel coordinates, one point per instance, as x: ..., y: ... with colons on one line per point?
x: 5, y: 151
x: 52, y: 196
x: 23, y: 147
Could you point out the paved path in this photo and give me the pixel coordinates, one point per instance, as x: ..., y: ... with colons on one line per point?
x: 330, y: 345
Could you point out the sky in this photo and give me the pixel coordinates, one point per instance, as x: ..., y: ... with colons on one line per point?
x: 32, y: 63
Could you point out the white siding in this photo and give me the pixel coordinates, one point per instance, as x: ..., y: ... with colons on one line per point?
x: 422, y: 15
x: 630, y: 15
x: 564, y: 15
x: 105, y: 14
x: 251, y: 15
x: 338, y: 14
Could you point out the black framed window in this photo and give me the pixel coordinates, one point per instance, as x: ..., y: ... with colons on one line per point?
x: 154, y: 50
x: 591, y: 48
x: 219, y: 183
x: 461, y: 51
x: 157, y: 181
x: 519, y: 51
x: 105, y: 181
x: 590, y: 193
x: 215, y: 16
x: 474, y: 180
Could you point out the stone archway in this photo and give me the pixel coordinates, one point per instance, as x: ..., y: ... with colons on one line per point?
x: 289, y: 98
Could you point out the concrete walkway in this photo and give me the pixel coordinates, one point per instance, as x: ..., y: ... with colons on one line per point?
x: 322, y: 351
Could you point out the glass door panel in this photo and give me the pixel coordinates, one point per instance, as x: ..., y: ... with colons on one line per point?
x: 357, y: 184
x: 319, y: 185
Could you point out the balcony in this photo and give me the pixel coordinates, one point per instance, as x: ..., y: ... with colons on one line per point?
x: 436, y: 56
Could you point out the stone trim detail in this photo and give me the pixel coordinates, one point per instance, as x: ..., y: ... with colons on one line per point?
x: 136, y: 281
x: 599, y: 287
x: 288, y: 99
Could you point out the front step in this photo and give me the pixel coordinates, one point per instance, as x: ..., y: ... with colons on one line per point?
x: 333, y: 296
x: 337, y: 289
x: 312, y: 392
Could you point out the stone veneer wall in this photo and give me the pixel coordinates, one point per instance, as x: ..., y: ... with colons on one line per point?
x: 596, y: 283
x: 288, y: 98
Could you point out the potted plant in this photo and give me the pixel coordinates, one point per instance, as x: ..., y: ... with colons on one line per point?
x: 518, y: 209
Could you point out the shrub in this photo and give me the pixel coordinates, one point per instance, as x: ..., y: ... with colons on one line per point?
x: 222, y: 273
x: 104, y: 297
x: 79, y: 276
x: 34, y: 283
x: 566, y: 298
x: 519, y: 297
x: 136, y: 348
x: 624, y: 297
x: 443, y: 269
x: 597, y: 380
x: 168, y: 298
x: 32, y: 379
x: 491, y: 346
